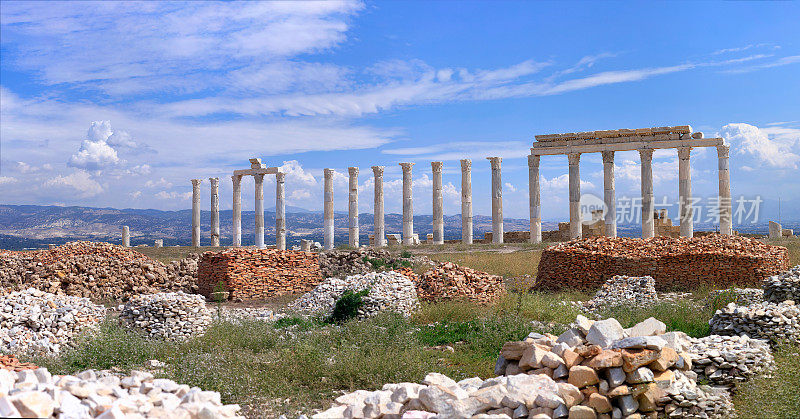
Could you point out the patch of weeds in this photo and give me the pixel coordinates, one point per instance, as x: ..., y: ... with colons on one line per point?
x: 405, y: 254
x: 303, y: 324
x: 347, y: 306
x: 685, y: 316
x: 776, y: 396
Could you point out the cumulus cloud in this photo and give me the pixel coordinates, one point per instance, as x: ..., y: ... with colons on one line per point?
x: 161, y: 183
x: 26, y: 168
x: 135, y: 194
x: 509, y: 187
x: 95, y: 152
x: 174, y: 195
x: 79, y: 181
x: 5, y: 180
x: 778, y: 150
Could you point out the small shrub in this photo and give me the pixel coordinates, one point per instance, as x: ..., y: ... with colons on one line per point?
x: 347, y: 306
x: 406, y: 254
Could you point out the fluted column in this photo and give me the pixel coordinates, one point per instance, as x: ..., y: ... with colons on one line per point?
x: 196, y: 212
x: 328, y: 210
x: 609, y: 194
x: 497, y: 200
x: 280, y: 211
x: 126, y: 236
x: 353, y: 228
x: 259, y: 195
x: 237, y: 210
x: 575, y: 226
x: 379, y: 232
x: 466, y: 201
x: 685, y: 192
x: 534, y: 198
x: 648, y: 227
x: 408, y: 205
x: 438, y: 204
x: 725, y: 204
x: 214, y: 211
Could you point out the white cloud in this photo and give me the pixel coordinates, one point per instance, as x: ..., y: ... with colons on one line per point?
x: 5, y: 180
x: 95, y: 153
x: 174, y: 195
x: 78, y: 180
x: 476, y: 150
x: 509, y: 187
x: 160, y: 183
x: 780, y: 62
x: 140, y: 170
x: 135, y: 194
x: 779, y: 150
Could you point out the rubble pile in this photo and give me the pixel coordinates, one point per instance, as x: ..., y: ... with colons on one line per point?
x: 782, y: 287
x: 185, y: 271
x: 96, y: 270
x: 678, y: 263
x: 90, y: 394
x: 388, y: 291
x: 766, y: 320
x: 730, y: 360
x: 622, y: 291
x: 33, y: 320
x: 741, y: 296
x: 341, y: 263
x: 249, y: 273
x: 10, y: 362
x: 171, y: 316
x: 448, y: 281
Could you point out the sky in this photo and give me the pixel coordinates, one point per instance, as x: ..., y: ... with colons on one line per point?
x: 118, y: 104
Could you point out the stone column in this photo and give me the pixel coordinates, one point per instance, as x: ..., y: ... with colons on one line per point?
x: 648, y: 227
x: 353, y: 228
x: 408, y: 205
x: 379, y: 232
x: 259, y: 239
x: 158, y: 243
x: 237, y: 210
x: 534, y: 198
x: 685, y: 192
x: 609, y: 194
x: 214, y: 211
x: 305, y: 245
x: 497, y: 200
x: 328, y: 210
x: 575, y: 226
x: 196, y: 212
x: 280, y: 211
x: 126, y: 236
x: 725, y: 204
x: 438, y: 204
x: 466, y: 201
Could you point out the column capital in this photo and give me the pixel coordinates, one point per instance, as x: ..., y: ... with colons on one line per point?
x: 352, y: 171
x: 280, y: 177
x: 328, y: 173
x: 574, y: 158
x: 683, y: 152
x: 214, y: 181
x: 466, y: 164
x: 608, y: 157
x: 236, y: 179
x: 723, y: 151
x: 495, y: 162
x: 646, y: 153
x: 259, y: 177
x: 196, y: 182
x: 406, y: 166
x: 436, y: 166
x: 378, y: 170
x: 533, y: 160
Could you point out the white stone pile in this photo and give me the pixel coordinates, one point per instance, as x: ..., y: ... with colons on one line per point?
x: 90, y: 394
x: 171, y: 316
x: 730, y: 360
x: 766, y: 320
x: 238, y: 314
x: 620, y: 291
x: 34, y: 320
x: 388, y: 291
x: 742, y: 296
x: 785, y: 286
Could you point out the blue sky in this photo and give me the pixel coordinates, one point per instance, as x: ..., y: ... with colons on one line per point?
x: 120, y: 104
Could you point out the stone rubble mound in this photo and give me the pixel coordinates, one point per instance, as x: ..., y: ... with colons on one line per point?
x: 96, y: 270
x: 730, y: 360
x: 766, y: 320
x: 782, y: 287
x: 742, y: 296
x: 239, y: 314
x: 448, y: 281
x: 185, y: 270
x: 622, y: 291
x: 10, y: 362
x: 170, y: 316
x: 341, y: 263
x: 89, y: 394
x: 388, y: 291
x: 676, y: 263
x: 33, y: 320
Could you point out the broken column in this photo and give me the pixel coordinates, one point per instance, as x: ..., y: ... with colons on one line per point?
x: 328, y: 210
x: 305, y: 245
x: 158, y: 243
x: 126, y: 236
x: 685, y: 192
x: 534, y: 198
x: 497, y: 200
x: 466, y: 201
x: 609, y: 194
x: 725, y: 204
x: 408, y: 205
x: 214, y: 211
x: 438, y: 204
x: 575, y: 226
x: 379, y: 232
x: 648, y: 226
x: 353, y: 228
x: 237, y: 210
x: 196, y: 212
x: 259, y: 195
x: 280, y: 211
x: 775, y: 230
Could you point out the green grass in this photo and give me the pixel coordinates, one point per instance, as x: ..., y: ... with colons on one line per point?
x: 777, y: 396
x: 525, y: 262
x: 686, y: 316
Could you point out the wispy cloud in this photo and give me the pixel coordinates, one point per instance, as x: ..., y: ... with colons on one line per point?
x: 792, y: 59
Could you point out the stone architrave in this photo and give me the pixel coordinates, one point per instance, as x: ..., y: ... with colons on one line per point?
x: 328, y: 210
x: 648, y: 226
x: 379, y: 233
x: 259, y: 205
x: 438, y: 204
x: 280, y: 211
x: 466, y: 201
x: 214, y: 211
x: 534, y: 198
x: 352, y: 225
x: 408, y: 205
x: 497, y: 200
x: 196, y: 212
x: 609, y: 194
x: 575, y: 226
x: 725, y: 204
x: 237, y: 210
x: 685, y: 192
